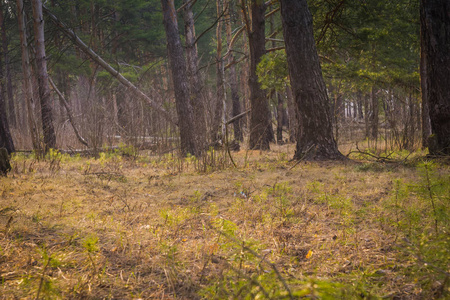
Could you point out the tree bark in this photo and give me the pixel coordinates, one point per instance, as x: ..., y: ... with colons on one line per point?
x: 5, y: 135
x: 44, y: 90
x: 196, y: 84
x: 259, y: 116
x: 316, y: 140
x: 11, y: 107
x: 177, y: 65
x: 232, y: 78
x: 27, y: 82
x: 435, y: 43
x: 219, y: 109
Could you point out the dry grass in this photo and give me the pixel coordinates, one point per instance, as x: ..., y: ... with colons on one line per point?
x: 156, y: 228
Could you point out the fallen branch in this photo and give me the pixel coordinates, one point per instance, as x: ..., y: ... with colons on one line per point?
x: 381, y: 159
x: 239, y: 116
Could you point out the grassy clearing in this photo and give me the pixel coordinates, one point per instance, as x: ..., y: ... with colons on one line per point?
x: 169, y: 228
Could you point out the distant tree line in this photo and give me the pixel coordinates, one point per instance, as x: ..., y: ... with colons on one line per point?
x: 165, y: 74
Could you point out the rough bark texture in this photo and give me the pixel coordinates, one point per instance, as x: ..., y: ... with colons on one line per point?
x: 232, y: 78
x: 435, y: 24
x: 196, y: 84
x: 44, y: 90
x: 259, y: 116
x: 5, y: 135
x: 27, y: 76
x: 177, y: 65
x: 316, y: 140
x: 11, y: 106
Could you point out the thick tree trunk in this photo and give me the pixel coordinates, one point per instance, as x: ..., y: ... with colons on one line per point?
x: 316, y: 140
x: 11, y: 107
x: 178, y: 70
x: 196, y: 84
x: 44, y: 90
x: 27, y: 82
x: 259, y: 116
x: 232, y: 78
x: 5, y: 135
x: 435, y: 24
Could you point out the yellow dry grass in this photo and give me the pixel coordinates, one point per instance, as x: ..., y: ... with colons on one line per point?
x: 154, y: 228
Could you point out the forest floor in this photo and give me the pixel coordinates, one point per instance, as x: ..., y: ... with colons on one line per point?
x: 151, y: 227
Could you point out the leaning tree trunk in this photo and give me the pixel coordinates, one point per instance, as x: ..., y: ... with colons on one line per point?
x: 177, y: 65
x: 259, y: 116
x: 435, y: 24
x: 42, y: 74
x: 196, y: 84
x: 316, y: 140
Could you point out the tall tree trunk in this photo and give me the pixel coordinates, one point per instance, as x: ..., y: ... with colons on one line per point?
x: 196, y: 84
x: 359, y: 102
x: 219, y: 109
x: 259, y: 116
x: 11, y: 106
x: 426, y: 123
x: 374, y: 115
x: 232, y: 77
x: 366, y: 116
x: 435, y: 74
x: 316, y: 140
x: 27, y: 82
x: 280, y: 110
x: 5, y: 135
x: 178, y: 70
x: 44, y: 90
